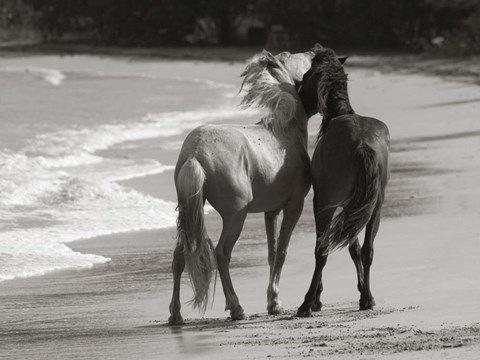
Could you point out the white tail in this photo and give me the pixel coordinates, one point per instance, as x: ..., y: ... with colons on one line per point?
x: 191, y: 232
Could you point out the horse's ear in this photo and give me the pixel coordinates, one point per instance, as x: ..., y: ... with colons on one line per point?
x: 264, y: 60
x: 257, y: 65
x: 342, y: 59
x: 267, y: 54
x: 268, y: 60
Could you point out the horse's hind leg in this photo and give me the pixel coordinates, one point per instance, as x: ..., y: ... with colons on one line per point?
x: 178, y: 265
x: 356, y: 255
x: 312, y: 297
x: 232, y: 227
x: 271, y: 228
x: 317, y: 303
x: 291, y: 214
x: 366, y: 298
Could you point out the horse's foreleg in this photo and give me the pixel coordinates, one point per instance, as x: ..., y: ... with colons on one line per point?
x: 178, y: 265
x: 312, y: 297
x: 271, y: 228
x: 356, y: 255
x: 291, y: 214
x: 232, y: 227
x: 366, y: 298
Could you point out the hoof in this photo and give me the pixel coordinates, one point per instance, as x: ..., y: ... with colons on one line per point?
x: 275, y: 309
x: 175, y: 320
x: 237, y: 313
x: 367, y: 304
x: 304, y: 311
x: 317, y: 306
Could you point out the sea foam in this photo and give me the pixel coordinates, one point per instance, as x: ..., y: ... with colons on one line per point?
x: 58, y: 189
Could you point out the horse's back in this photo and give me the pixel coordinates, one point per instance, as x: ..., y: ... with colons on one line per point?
x: 350, y: 131
x: 356, y: 129
x: 335, y: 162
x: 245, y: 164
x: 214, y: 146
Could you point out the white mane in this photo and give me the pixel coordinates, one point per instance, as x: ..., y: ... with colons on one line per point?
x: 270, y: 86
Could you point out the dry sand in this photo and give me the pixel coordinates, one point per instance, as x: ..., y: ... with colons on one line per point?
x: 425, y: 277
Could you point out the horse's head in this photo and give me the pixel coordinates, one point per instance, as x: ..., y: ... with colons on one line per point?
x: 271, y: 83
x: 296, y: 64
x: 284, y: 67
x: 325, y: 74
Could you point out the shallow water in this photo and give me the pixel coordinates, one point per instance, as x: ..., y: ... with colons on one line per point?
x: 61, y: 119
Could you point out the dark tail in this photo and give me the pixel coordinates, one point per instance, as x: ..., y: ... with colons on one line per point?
x: 358, y: 208
x: 191, y: 231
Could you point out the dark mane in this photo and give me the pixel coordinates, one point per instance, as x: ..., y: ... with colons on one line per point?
x: 331, y: 86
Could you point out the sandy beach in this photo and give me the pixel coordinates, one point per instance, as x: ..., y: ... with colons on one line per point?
x: 425, y: 275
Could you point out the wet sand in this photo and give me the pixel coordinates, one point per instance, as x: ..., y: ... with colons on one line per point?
x: 425, y: 276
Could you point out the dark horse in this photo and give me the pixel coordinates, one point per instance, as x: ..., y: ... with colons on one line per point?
x: 349, y: 175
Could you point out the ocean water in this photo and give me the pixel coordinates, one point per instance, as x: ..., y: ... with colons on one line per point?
x: 57, y: 116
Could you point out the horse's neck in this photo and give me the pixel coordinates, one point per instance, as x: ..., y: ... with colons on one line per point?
x: 338, y: 103
x: 298, y: 128
x: 302, y: 124
x: 293, y: 128
x: 299, y: 123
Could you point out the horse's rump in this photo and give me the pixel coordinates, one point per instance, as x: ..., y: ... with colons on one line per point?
x: 358, y: 208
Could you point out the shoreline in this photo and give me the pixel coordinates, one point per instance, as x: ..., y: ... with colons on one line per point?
x: 424, y: 277
x: 192, y: 53
x: 456, y: 68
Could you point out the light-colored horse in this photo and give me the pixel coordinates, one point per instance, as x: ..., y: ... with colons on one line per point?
x: 243, y: 169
